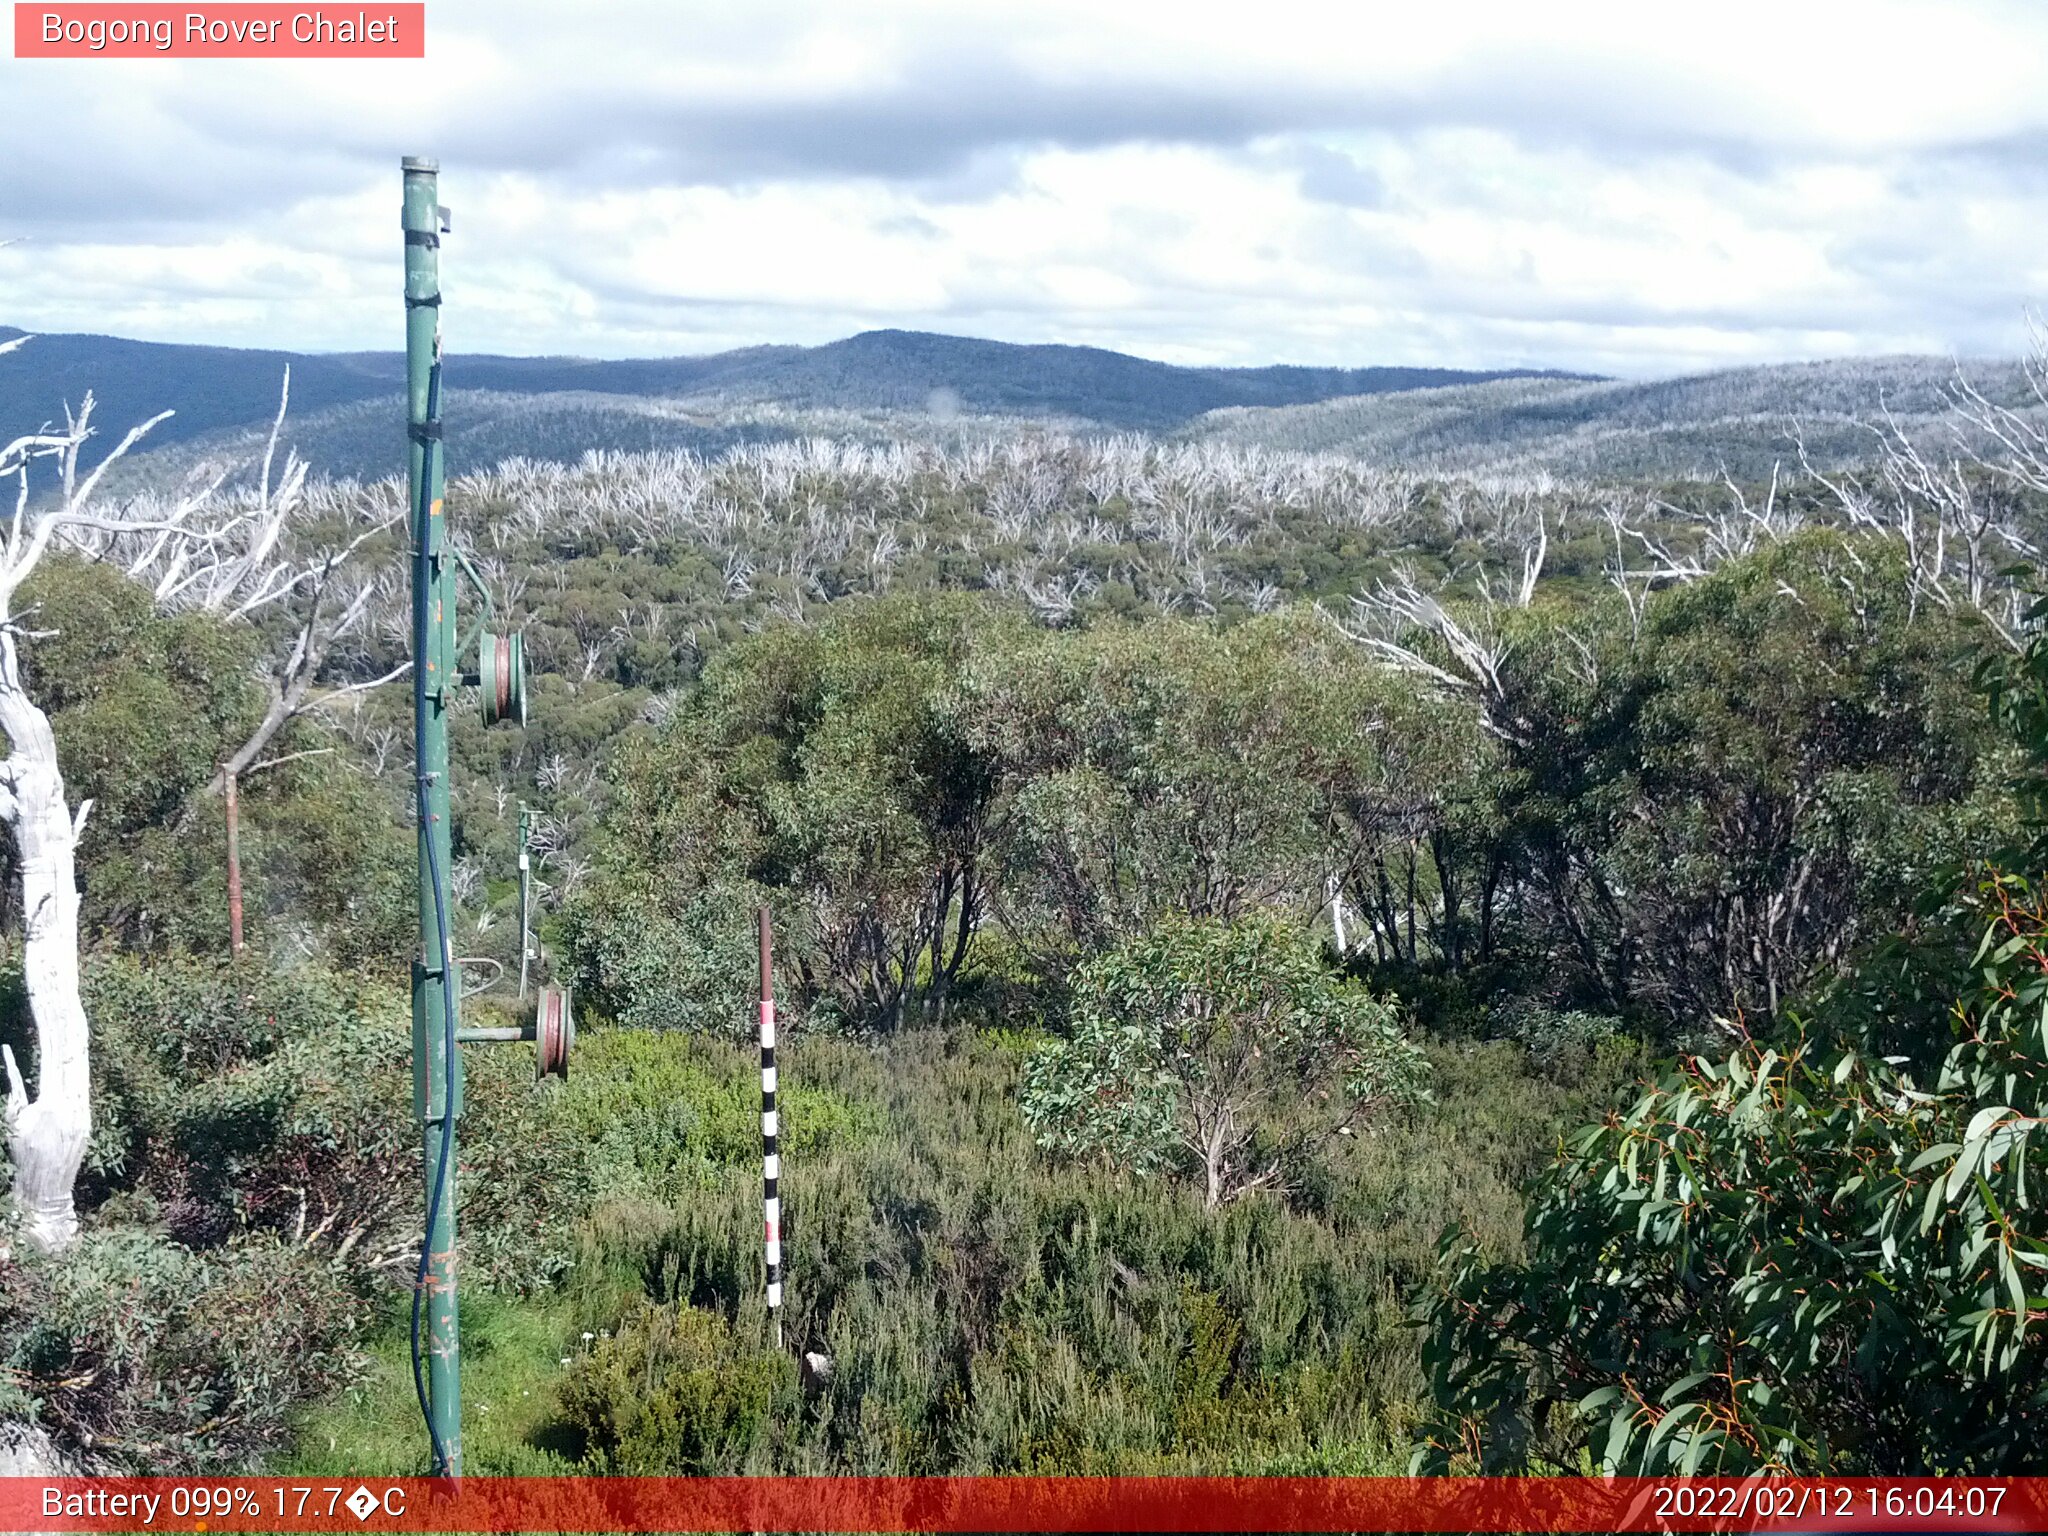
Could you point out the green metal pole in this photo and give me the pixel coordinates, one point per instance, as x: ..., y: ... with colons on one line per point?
x: 437, y: 1066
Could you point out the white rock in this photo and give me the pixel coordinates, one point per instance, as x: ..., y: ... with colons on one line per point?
x: 26, y: 1451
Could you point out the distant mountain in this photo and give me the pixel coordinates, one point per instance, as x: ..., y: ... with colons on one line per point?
x: 1740, y: 419
x: 212, y: 388
x: 884, y: 386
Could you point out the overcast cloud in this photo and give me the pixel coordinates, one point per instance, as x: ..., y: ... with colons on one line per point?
x: 1618, y: 187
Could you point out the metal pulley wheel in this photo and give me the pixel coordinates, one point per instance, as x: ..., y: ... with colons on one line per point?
x: 554, y: 1031
x: 501, y: 674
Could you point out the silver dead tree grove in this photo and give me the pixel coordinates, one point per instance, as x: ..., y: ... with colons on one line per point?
x: 230, y: 540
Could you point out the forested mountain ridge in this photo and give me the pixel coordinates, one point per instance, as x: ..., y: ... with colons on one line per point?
x: 885, y: 387
x: 214, y: 388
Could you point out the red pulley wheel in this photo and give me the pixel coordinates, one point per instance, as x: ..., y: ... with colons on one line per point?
x: 501, y: 674
x: 503, y: 702
x: 554, y: 1032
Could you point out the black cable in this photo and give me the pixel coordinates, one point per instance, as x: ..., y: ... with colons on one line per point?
x: 421, y: 632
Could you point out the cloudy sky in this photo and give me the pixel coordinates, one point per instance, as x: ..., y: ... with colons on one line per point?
x: 1628, y: 188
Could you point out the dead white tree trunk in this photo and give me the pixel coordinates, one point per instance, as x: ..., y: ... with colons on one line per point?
x: 47, y: 1129
x: 46, y: 1135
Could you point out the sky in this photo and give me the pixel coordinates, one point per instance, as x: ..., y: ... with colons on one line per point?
x: 1619, y: 188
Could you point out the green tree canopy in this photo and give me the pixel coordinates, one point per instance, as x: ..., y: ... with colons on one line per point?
x: 1175, y: 767
x: 1710, y: 802
x: 1812, y: 1253
x: 825, y: 765
x: 1223, y: 1049
x: 145, y: 706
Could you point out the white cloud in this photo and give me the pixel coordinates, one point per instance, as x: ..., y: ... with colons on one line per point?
x: 1590, y: 185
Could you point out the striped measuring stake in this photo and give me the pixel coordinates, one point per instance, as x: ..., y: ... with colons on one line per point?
x: 771, y: 1157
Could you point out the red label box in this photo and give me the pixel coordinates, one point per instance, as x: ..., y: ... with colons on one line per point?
x: 943, y: 1506
x: 373, y: 30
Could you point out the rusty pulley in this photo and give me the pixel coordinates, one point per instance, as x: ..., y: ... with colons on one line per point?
x: 501, y: 675
x: 554, y: 1031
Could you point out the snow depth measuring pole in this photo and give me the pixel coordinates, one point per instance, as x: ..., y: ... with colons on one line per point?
x: 771, y: 1144
x: 436, y: 988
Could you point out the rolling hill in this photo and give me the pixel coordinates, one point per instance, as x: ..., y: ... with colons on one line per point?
x: 218, y: 387
x: 897, y: 385
x: 1742, y: 419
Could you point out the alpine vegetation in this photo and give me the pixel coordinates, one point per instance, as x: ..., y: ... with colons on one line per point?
x: 1287, y: 959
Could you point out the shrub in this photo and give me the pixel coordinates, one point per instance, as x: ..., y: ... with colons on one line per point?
x: 821, y: 764
x: 1557, y: 1040
x: 147, y: 1355
x: 672, y: 1391
x: 1812, y: 1253
x: 1793, y: 1258
x: 1224, y: 1049
x: 238, y: 1098
x: 235, y: 1099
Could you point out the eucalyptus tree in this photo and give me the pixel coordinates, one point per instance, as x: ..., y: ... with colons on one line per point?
x: 325, y: 595
x: 1711, y: 784
x: 1173, y: 766
x: 300, y: 567
x: 1225, y: 1050
x: 825, y: 765
x: 297, y: 575
x: 1817, y: 1251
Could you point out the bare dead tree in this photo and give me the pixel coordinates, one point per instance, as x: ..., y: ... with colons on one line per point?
x: 47, y: 1132
x: 1951, y: 505
x: 1532, y: 563
x: 268, y: 558
x: 466, y: 881
x: 2022, y: 439
x: 1388, y: 620
x: 328, y: 596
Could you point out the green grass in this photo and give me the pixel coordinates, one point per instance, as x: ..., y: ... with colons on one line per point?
x: 511, y: 1354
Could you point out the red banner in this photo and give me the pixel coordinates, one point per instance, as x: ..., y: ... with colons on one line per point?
x: 239, y: 31
x: 962, y: 1504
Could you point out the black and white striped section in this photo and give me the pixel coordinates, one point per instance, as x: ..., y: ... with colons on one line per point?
x: 771, y: 1160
